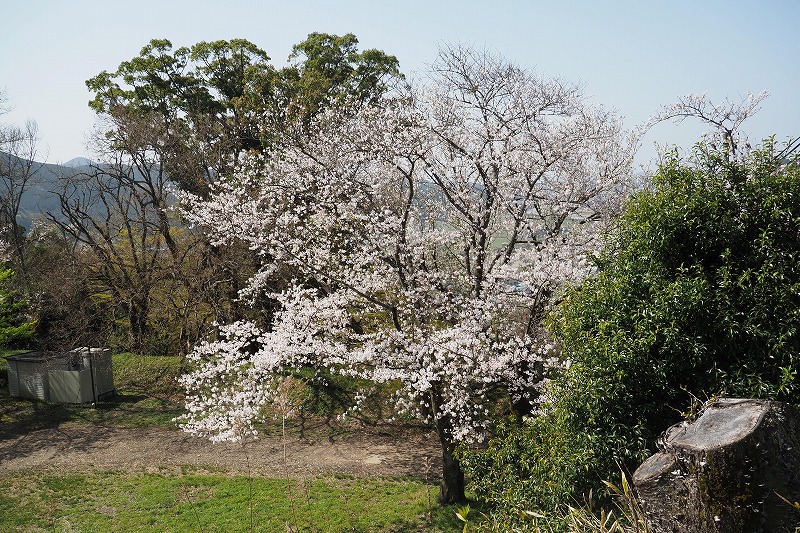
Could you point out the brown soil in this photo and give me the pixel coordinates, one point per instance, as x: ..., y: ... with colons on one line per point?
x: 87, y: 447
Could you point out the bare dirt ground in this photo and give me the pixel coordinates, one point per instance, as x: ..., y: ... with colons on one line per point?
x: 89, y: 447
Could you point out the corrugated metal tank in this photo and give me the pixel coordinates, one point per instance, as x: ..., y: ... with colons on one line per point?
x: 79, y: 376
x: 28, y: 375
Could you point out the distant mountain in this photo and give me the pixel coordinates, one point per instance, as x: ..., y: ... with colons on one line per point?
x: 78, y: 162
x: 39, y: 196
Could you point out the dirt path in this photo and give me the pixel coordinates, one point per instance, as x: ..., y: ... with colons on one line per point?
x: 83, y: 447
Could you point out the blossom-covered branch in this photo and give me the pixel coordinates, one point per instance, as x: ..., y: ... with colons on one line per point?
x: 426, y: 236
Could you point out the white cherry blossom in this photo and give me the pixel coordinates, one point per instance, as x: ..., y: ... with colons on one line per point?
x: 427, y: 237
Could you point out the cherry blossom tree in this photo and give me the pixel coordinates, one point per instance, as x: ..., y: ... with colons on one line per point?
x: 426, y: 237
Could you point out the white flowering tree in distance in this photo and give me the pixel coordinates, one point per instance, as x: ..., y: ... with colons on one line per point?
x: 425, y: 237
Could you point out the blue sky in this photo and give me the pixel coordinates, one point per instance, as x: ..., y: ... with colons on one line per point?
x: 633, y: 56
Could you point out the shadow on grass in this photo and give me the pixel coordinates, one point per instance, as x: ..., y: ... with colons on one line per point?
x: 20, y: 416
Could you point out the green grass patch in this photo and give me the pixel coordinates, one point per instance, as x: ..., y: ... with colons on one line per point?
x: 117, y: 501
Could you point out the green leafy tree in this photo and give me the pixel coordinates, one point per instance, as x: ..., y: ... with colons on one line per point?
x: 184, y: 106
x: 204, y: 106
x: 324, y: 70
x: 697, y: 294
x: 14, y: 325
x: 331, y: 69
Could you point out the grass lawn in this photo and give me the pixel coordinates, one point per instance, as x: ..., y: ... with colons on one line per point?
x: 119, y: 501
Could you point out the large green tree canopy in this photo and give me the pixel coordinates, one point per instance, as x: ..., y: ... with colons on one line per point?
x: 200, y: 108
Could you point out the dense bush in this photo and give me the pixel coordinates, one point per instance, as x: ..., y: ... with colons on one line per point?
x: 15, y: 324
x: 697, y: 294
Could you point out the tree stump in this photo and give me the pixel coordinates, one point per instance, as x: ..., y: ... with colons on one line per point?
x: 726, y: 472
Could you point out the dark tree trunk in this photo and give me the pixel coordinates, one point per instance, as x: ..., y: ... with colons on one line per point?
x: 137, y: 319
x: 452, y: 487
